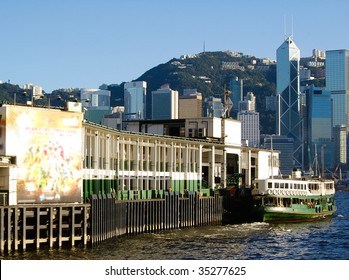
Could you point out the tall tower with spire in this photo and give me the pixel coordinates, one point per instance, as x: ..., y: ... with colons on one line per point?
x: 289, y: 121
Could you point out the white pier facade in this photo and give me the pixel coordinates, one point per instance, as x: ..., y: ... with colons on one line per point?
x: 52, y: 156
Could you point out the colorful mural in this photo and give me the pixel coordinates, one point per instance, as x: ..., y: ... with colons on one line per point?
x: 48, y: 145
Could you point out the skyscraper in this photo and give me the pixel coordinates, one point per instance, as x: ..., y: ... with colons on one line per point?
x: 213, y: 107
x: 249, y: 118
x: 340, y: 144
x: 249, y: 103
x: 289, y: 121
x: 96, y: 102
x: 250, y: 127
x: 286, y: 146
x: 95, y: 98
x: 236, y: 87
x: 337, y: 82
x: 164, y: 103
x: 318, y: 125
x: 190, y: 104
x: 135, y: 100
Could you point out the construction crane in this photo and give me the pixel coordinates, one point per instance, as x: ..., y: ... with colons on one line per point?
x: 227, y: 105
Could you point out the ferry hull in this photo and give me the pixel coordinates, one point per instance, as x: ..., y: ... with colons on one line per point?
x: 273, y: 215
x: 291, y: 217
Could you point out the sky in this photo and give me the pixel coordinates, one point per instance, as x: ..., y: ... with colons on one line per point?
x: 86, y: 43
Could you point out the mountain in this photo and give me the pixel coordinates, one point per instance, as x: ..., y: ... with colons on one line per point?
x: 209, y: 71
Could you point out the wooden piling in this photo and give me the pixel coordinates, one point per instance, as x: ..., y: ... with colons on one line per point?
x: 43, y: 225
x: 56, y: 225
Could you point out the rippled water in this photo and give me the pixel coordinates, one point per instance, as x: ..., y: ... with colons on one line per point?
x: 323, y: 239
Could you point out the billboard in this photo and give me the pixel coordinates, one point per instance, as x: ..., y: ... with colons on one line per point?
x: 48, y: 145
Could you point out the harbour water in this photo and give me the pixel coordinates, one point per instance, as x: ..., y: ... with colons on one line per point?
x: 326, y: 239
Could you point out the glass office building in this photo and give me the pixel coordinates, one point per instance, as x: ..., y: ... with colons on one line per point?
x: 95, y: 98
x: 236, y: 87
x: 96, y: 104
x: 318, y: 125
x: 135, y: 100
x: 213, y: 107
x: 285, y: 146
x: 337, y: 70
x: 164, y: 103
x: 289, y: 121
x: 337, y: 82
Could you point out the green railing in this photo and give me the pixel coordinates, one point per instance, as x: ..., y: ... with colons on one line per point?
x: 108, y: 186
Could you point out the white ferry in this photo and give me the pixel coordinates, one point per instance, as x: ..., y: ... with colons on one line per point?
x: 293, y: 199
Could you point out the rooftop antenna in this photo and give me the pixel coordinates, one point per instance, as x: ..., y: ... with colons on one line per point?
x: 204, y: 47
x: 285, y: 27
x: 292, y: 27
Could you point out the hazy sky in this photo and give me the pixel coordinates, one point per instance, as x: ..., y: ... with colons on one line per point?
x: 84, y: 43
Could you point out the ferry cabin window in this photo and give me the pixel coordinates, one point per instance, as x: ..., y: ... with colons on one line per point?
x: 270, y: 185
x: 282, y: 185
x: 286, y: 185
x: 329, y: 186
x: 313, y: 187
x: 276, y: 185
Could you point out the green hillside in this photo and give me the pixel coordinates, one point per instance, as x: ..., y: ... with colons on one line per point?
x: 207, y: 74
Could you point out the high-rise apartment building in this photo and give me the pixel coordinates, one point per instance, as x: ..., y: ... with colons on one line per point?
x: 289, y: 121
x: 164, y: 103
x: 340, y: 144
x: 250, y: 130
x: 35, y: 91
x: 190, y: 104
x: 250, y: 127
x: 135, y: 100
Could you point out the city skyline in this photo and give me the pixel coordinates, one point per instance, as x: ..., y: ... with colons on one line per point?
x: 85, y: 44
